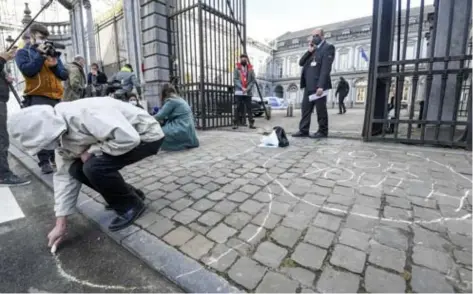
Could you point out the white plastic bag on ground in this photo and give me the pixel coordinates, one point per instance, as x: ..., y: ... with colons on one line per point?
x: 270, y: 141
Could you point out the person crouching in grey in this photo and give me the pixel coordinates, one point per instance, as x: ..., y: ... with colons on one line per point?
x: 244, y: 81
x: 315, y: 80
x: 94, y: 139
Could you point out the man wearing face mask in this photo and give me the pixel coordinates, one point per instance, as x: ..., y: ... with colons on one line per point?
x: 43, y: 80
x: 98, y: 136
x: 244, y: 81
x: 315, y: 80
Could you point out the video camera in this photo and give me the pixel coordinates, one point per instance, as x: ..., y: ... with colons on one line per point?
x: 51, y: 48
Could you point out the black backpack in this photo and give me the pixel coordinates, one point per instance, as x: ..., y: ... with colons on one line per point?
x: 282, y: 138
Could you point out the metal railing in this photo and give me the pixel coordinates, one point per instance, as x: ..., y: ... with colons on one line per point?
x: 204, y: 48
x: 439, y: 121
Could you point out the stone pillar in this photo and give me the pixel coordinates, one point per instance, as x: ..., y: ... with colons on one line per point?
x: 90, y: 35
x: 131, y: 11
x: 461, y: 14
x: 155, y: 48
x: 77, y: 30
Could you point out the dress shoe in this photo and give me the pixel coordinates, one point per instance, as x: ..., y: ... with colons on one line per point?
x: 318, y: 135
x: 140, y: 194
x: 126, y: 219
x: 300, y: 135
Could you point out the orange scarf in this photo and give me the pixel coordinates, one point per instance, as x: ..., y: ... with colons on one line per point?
x: 243, y: 77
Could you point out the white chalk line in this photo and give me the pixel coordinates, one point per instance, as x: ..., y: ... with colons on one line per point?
x: 443, y: 165
x: 71, y: 278
x: 327, y: 170
x: 462, y: 201
x: 442, y: 219
x: 213, y: 260
x: 258, y: 230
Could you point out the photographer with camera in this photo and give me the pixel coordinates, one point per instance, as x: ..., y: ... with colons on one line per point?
x: 44, y: 72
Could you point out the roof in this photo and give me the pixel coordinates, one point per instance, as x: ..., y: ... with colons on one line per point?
x: 366, y: 20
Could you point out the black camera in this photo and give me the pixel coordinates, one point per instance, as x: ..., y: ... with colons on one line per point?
x: 52, y: 47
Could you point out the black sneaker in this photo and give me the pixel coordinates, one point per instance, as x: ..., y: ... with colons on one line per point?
x: 47, y: 169
x: 12, y: 181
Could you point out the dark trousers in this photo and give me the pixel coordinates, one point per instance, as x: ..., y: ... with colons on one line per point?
x: 242, y: 103
x: 421, y: 112
x: 307, y: 109
x: 101, y: 173
x: 44, y: 156
x: 4, y: 141
x: 341, y: 103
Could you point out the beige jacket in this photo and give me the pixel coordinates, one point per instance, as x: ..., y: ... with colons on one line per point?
x: 97, y: 125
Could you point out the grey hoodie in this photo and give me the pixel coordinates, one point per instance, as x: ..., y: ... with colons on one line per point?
x: 97, y: 125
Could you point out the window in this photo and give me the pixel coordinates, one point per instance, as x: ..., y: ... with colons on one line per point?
x: 293, y: 67
x: 280, y: 72
x: 361, y: 62
x: 346, y: 32
x: 295, y: 41
x: 410, y: 52
x: 280, y: 44
x: 361, y: 90
x: 366, y: 28
x: 343, y: 60
x: 328, y: 35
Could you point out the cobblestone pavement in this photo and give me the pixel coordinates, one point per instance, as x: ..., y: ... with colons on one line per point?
x: 327, y: 216
x: 348, y: 125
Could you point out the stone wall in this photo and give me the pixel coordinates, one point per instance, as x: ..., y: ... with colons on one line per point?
x: 155, y: 48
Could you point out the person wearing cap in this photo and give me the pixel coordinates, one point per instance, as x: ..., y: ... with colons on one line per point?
x: 75, y: 86
x: 44, y: 76
x: 244, y: 82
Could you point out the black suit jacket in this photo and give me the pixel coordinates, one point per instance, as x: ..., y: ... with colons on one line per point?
x: 318, y: 76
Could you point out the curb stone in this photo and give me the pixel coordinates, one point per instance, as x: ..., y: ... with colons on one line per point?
x: 161, y: 257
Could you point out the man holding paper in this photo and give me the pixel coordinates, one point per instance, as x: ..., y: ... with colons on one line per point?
x: 315, y: 80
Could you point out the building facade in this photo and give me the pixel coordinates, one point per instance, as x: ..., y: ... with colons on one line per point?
x: 281, y: 72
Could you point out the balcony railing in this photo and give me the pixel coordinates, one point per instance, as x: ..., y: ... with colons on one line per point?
x: 58, y: 29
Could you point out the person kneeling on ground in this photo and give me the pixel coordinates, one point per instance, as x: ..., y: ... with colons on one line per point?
x: 179, y: 127
x: 94, y: 138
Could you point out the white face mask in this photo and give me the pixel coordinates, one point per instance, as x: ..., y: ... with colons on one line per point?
x: 134, y: 102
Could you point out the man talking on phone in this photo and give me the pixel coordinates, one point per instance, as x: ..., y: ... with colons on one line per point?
x: 315, y: 80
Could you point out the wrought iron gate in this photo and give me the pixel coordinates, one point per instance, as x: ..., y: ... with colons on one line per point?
x: 204, y: 48
x: 439, y: 111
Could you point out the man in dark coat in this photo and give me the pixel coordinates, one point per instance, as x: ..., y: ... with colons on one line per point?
x: 96, y: 81
x: 7, y: 178
x: 315, y: 80
x: 342, y: 91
